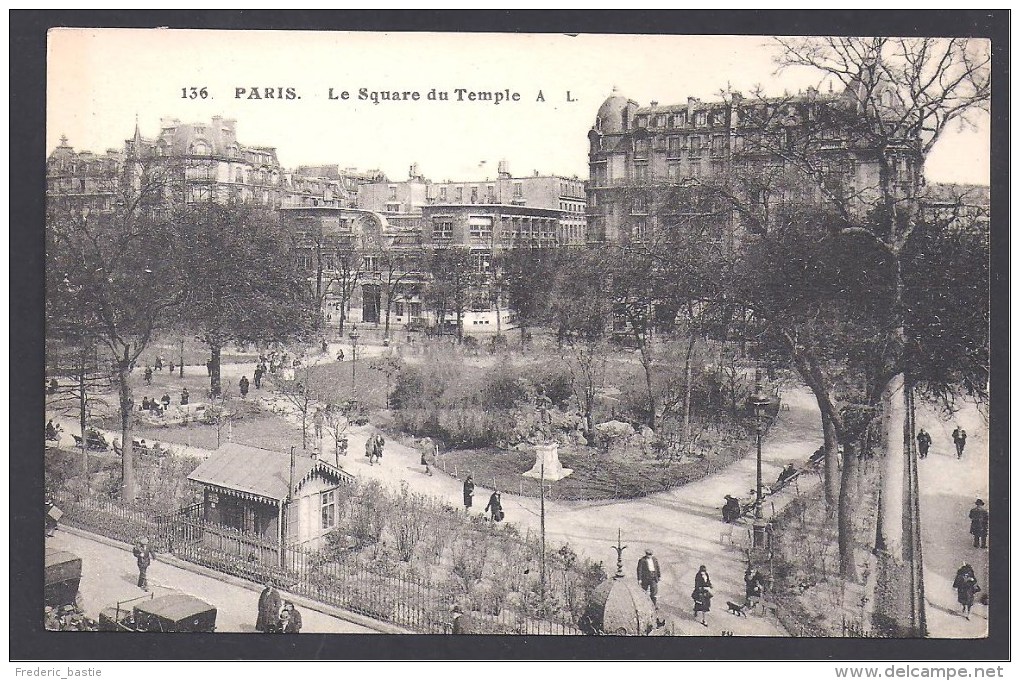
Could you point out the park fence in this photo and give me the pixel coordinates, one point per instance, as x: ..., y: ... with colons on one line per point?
x: 347, y: 583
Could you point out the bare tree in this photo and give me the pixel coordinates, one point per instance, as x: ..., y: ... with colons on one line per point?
x: 120, y: 260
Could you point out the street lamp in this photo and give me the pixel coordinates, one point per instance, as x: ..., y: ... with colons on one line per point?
x: 759, y: 402
x: 354, y: 362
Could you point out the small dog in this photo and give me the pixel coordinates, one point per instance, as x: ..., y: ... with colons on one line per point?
x: 736, y: 608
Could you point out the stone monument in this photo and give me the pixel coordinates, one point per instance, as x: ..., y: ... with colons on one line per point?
x: 547, y: 457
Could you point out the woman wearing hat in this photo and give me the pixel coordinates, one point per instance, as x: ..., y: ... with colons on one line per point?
x: 966, y: 586
x: 702, y: 594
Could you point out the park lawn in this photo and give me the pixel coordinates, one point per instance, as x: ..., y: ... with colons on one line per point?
x: 598, y: 475
x: 267, y: 431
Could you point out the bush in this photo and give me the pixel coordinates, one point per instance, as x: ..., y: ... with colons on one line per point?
x: 505, y: 388
x: 554, y: 380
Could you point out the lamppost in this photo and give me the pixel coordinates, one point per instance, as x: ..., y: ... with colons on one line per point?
x: 759, y: 402
x: 353, y: 335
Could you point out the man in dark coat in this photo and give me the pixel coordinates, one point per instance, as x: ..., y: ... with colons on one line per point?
x: 259, y: 371
x: 979, y: 524
x: 648, y: 575
x: 243, y: 385
x: 185, y: 396
x: 496, y: 506
x: 923, y: 443
x: 269, y: 609
x: 960, y: 440
x: 143, y: 556
x: 469, y: 492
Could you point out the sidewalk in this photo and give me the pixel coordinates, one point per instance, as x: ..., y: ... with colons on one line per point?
x: 109, y: 575
x: 948, y: 488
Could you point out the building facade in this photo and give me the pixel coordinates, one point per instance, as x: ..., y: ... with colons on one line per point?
x: 736, y: 160
x: 201, y: 161
x: 565, y: 195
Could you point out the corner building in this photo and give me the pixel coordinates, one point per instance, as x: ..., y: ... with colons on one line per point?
x: 732, y: 163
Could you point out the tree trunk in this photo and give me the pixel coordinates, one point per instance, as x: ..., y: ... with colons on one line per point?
x: 318, y: 286
x: 646, y: 363
x: 215, y: 383
x: 891, y: 508
x: 848, y: 495
x: 180, y: 366
x: 685, y: 423
x: 129, y: 489
x: 82, y: 417
x: 831, y: 444
x: 460, y: 324
x: 386, y: 324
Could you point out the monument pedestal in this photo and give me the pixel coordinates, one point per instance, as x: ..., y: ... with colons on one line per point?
x: 547, y: 457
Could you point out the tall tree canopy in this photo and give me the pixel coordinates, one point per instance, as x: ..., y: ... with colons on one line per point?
x: 240, y: 281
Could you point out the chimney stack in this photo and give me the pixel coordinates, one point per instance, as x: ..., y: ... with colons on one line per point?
x: 691, y: 101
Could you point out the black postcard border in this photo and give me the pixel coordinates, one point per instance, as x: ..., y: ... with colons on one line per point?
x: 27, y: 108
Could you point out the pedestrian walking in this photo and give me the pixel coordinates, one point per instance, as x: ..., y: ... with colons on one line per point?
x: 53, y: 387
x: 148, y: 375
x: 370, y: 449
x: 380, y: 442
x: 293, y: 622
x: 648, y: 575
x: 325, y: 346
x: 159, y: 363
x: 318, y: 420
x: 259, y: 371
x: 269, y: 609
x: 966, y: 586
x: 979, y: 524
x: 469, y: 492
x: 144, y: 557
x: 185, y: 396
x: 171, y: 367
x: 702, y: 594
x: 495, y: 505
x: 427, y: 450
x: 243, y: 385
x: 960, y: 440
x: 923, y: 443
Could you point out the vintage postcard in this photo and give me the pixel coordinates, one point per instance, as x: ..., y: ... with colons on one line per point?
x: 518, y: 334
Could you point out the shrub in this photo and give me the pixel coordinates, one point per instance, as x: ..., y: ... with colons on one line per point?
x: 505, y: 388
x: 554, y: 380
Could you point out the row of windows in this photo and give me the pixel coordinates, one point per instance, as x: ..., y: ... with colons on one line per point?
x: 571, y: 207
x: 680, y: 119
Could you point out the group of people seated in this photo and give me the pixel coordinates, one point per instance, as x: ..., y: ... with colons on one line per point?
x: 154, y: 406
x: 733, y: 508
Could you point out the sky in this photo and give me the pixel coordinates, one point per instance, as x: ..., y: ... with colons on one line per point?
x: 101, y: 80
